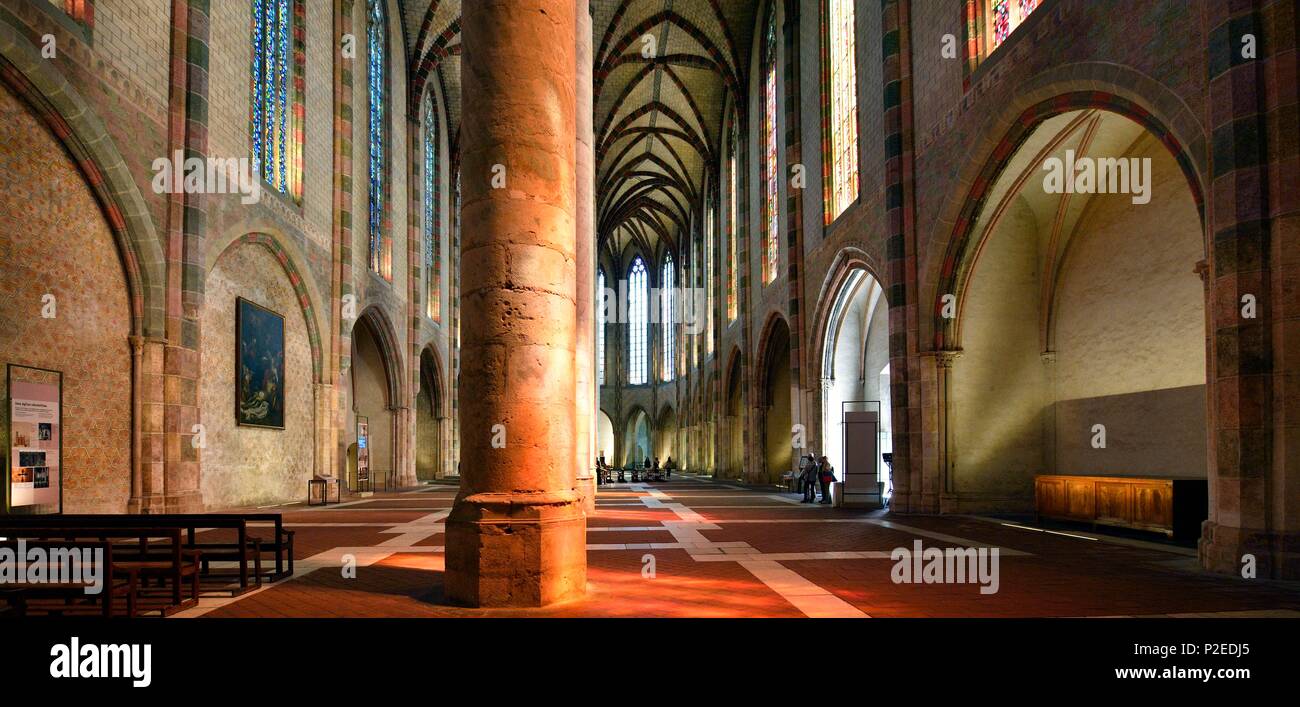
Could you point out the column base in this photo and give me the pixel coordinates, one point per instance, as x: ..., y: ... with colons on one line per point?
x: 146, y: 505
x: 187, y: 502
x: 1223, y: 549
x: 516, y: 550
x: 586, y: 487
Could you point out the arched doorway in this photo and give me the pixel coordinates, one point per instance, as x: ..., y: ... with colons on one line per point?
x: 775, y: 388
x: 855, y: 364
x: 665, y: 440
x: 1081, y: 319
x: 373, y: 374
x: 605, y: 438
x: 428, y: 419
x: 636, y: 444
x: 735, y: 423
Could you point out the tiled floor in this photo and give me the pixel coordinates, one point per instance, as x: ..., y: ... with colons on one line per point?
x: 722, y: 551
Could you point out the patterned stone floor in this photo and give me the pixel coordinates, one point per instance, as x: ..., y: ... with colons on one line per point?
x: 695, y: 548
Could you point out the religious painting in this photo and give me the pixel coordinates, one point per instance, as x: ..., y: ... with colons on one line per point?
x: 259, y: 366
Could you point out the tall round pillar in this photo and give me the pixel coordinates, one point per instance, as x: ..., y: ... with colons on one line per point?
x: 517, y: 533
x: 585, y: 165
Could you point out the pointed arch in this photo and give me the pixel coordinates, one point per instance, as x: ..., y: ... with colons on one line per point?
x: 74, y: 123
x: 1173, y: 132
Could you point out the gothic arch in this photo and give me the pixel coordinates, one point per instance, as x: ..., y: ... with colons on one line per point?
x: 433, y: 382
x: 774, y: 323
x: 848, y: 261
x: 304, y: 288
x: 1046, y: 96
x: 75, y: 124
x: 374, y: 319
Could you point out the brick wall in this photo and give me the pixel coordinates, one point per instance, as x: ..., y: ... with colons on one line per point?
x: 52, y: 218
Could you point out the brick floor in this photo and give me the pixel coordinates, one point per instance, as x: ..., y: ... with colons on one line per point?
x: 720, y: 551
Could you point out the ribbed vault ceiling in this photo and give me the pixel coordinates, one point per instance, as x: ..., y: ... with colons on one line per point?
x: 663, y: 70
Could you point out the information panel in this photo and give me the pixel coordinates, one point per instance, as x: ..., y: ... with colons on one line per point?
x: 35, y: 439
x: 861, y: 472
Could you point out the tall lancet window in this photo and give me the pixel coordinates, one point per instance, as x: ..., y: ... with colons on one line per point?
x: 840, y: 109
x: 667, y: 301
x: 638, y: 323
x: 277, y: 81
x: 733, y: 228
x: 771, y: 178
x: 432, y: 213
x: 600, y: 327
x: 381, y: 248
x: 710, y: 224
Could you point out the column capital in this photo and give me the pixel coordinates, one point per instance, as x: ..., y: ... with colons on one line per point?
x: 944, y: 358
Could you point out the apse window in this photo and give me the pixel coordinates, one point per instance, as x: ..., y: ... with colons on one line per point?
x: 277, y: 94
x: 667, y: 301
x: 638, y: 322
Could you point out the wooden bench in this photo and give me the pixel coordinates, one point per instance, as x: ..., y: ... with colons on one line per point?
x: 279, y: 543
x: 152, y: 553
x: 245, y: 549
x: 70, y: 598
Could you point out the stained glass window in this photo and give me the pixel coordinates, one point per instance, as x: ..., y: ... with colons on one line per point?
x: 668, y: 300
x: 710, y: 223
x: 600, y: 327
x: 432, y: 213
x: 1006, y: 15
x: 638, y: 323
x: 272, y: 128
x: 697, y: 244
x: 82, y: 11
x: 770, y: 207
x: 842, y: 76
x: 381, y: 251
x: 733, y: 228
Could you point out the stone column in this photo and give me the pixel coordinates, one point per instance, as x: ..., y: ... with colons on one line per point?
x: 942, y: 395
x: 585, y: 166
x: 326, y: 433
x: 186, y: 232
x: 517, y: 533
x: 1253, y: 213
x: 147, y: 444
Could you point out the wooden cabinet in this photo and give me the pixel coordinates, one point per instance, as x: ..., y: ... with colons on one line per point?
x: 1174, y: 507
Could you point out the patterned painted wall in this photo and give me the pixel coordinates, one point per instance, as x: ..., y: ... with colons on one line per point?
x: 247, y: 465
x: 55, y: 241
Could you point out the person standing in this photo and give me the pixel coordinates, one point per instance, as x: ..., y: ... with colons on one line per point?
x: 826, y: 476
x: 809, y: 479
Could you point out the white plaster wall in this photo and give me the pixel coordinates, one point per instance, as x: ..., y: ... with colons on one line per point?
x: 1130, y: 334
x: 999, y: 385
